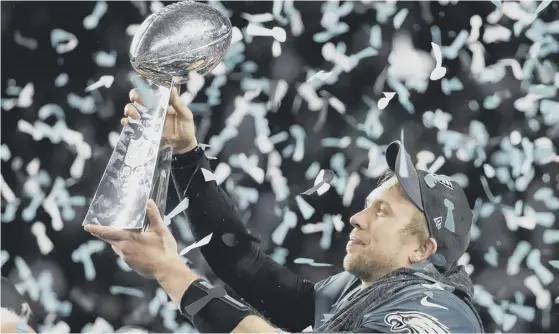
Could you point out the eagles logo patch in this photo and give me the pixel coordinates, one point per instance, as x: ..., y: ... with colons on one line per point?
x: 414, y: 322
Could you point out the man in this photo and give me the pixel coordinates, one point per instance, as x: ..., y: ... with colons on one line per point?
x: 400, y: 273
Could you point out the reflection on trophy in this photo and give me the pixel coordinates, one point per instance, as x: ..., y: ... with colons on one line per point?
x: 182, y: 37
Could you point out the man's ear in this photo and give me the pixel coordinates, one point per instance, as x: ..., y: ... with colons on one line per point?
x: 426, y: 249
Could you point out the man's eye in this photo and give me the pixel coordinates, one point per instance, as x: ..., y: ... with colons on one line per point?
x: 381, y: 211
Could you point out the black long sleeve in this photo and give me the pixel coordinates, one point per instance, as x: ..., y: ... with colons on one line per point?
x: 273, y: 290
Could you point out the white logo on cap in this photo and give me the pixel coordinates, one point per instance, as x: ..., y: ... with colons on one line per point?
x: 446, y: 183
x: 438, y: 222
x: 444, y: 180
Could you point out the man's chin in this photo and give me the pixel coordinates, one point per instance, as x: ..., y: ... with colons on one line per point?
x: 349, y: 262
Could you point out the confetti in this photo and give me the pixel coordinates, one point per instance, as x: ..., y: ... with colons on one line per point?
x: 289, y: 222
x: 491, y: 257
x: 204, y: 241
x: 543, y: 297
x: 326, y: 240
x: 181, y: 207
x: 45, y: 244
x: 105, y: 59
x: 25, y: 98
x: 533, y: 262
x: 63, y: 41
x: 83, y: 254
x: 104, y: 81
x: 438, y: 72
x: 321, y: 183
x: 4, y: 257
x: 208, y: 175
x: 91, y: 21
x: 99, y: 326
x: 61, y: 80
x: 306, y: 209
x: 26, y: 42
x: 122, y: 290
x: 382, y: 103
x: 310, y: 262
x: 279, y: 255
x: 85, y: 104
x: 278, y: 113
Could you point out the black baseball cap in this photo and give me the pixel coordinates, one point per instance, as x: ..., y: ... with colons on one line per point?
x: 442, y: 201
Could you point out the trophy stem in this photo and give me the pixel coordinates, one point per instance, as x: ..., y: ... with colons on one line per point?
x: 139, y: 167
x: 162, y: 174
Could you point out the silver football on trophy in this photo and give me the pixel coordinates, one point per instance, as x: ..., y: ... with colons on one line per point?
x: 180, y: 38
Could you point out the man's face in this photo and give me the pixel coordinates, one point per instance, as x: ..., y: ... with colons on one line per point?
x: 377, y: 243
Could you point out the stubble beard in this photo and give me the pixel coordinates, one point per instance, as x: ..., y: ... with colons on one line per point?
x: 368, y: 266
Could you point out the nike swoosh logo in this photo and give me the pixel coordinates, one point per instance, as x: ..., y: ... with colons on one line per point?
x: 427, y: 303
x: 327, y: 316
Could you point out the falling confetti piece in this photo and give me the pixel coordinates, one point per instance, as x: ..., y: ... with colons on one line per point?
x: 45, y: 244
x: 321, y: 183
x: 91, y: 21
x: 105, y: 81
x: 26, y: 42
x: 310, y: 262
x: 181, y: 207
x: 306, y: 209
x: 105, y: 59
x: 382, y: 103
x: 208, y: 175
x: 279, y: 115
x: 63, y: 41
x: 438, y: 72
x: 204, y: 241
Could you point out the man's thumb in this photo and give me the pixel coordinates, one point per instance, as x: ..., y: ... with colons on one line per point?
x: 155, y: 220
x: 179, y: 105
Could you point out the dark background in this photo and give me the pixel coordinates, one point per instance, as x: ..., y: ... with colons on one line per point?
x: 498, y: 293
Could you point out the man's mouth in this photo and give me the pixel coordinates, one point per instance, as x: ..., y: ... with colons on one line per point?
x: 356, y: 241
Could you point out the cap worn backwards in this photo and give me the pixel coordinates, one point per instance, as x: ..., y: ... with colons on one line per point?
x: 442, y: 201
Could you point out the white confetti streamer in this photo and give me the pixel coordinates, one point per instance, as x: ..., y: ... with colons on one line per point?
x: 181, y: 207
x: 204, y: 241
x: 4, y: 257
x: 311, y: 262
x: 45, y: 244
x: 439, y: 71
x: 63, y: 41
x: 543, y: 297
x: 122, y: 290
x: 26, y: 42
x: 25, y: 99
x: 92, y: 20
x: 208, y: 175
x: 104, y: 81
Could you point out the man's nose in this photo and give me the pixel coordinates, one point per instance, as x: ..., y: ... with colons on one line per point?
x: 357, y: 221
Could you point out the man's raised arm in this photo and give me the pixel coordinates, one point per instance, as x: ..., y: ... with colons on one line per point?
x: 273, y: 290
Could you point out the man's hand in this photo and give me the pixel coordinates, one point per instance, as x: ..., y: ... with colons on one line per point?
x: 148, y: 253
x: 179, y: 129
x: 154, y: 254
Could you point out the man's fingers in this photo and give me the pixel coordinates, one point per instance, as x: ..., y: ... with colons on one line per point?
x: 117, y: 251
x: 156, y: 223
x: 107, y: 233
x: 179, y: 106
x: 131, y: 111
x: 123, y: 121
x: 171, y: 111
x: 134, y: 96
